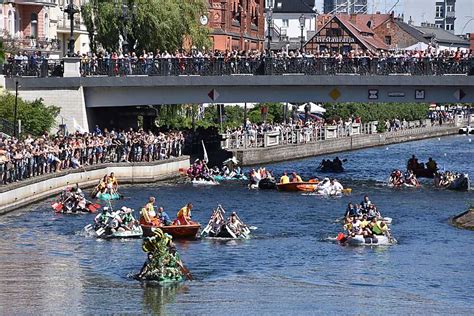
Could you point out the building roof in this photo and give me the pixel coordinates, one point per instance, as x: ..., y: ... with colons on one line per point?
x: 361, y: 31
x: 412, y: 31
x: 293, y: 6
x: 441, y: 36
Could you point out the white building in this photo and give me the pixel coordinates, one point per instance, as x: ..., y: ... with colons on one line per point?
x: 286, y: 15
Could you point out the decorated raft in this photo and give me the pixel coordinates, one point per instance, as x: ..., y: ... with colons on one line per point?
x: 108, y: 196
x: 219, y: 227
x: 163, y: 264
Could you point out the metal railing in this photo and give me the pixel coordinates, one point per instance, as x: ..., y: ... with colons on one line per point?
x: 200, y: 66
x: 305, y: 135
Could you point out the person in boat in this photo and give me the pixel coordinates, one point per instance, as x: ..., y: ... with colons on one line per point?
x: 431, y: 165
x: 365, y: 203
x: 184, y: 215
x: 350, y: 211
x: 411, y: 179
x: 255, y: 176
x: 378, y: 227
x: 101, y: 219
x: 163, y: 217
x: 337, y: 164
x: 148, y: 214
x: 295, y: 177
x: 325, y: 187
x: 235, y: 224
x: 396, y: 178
x: 412, y: 163
x: 372, y: 212
x: 112, y: 183
x: 284, y: 178
x: 336, y: 187
x: 127, y: 219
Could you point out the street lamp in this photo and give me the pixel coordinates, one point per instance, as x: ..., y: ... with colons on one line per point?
x: 15, y: 110
x: 71, y: 10
x: 270, y: 5
x: 302, y: 24
x: 125, y: 17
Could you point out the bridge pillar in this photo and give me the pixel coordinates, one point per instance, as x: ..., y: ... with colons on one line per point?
x: 72, y: 67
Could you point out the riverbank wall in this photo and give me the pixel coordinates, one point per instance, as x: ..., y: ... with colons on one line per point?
x: 20, y: 194
x: 254, y: 156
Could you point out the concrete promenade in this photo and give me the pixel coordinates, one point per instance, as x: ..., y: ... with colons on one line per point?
x: 259, y: 156
x: 25, y: 192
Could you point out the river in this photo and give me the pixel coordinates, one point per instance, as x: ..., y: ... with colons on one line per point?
x: 289, y: 267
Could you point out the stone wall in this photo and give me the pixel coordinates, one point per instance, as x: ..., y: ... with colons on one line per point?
x: 282, y: 153
x: 26, y: 192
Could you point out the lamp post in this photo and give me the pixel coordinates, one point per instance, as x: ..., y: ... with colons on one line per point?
x: 302, y: 20
x: 270, y: 5
x: 15, y: 109
x: 71, y: 10
x: 125, y: 17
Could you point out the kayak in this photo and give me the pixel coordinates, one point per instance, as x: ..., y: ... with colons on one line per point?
x: 223, y: 178
x: 108, y: 196
x: 177, y: 231
x: 297, y: 186
x: 359, y: 240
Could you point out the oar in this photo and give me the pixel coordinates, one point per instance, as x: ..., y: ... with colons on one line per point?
x: 185, y: 270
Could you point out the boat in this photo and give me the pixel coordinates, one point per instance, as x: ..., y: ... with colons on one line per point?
x: 424, y: 173
x: 177, y: 231
x: 204, y: 182
x: 267, y: 184
x: 370, y: 241
x: 298, y: 186
x: 344, y: 192
x: 108, y: 196
x: 70, y: 207
x: 220, y: 228
x: 466, y: 130
x: 224, y: 178
x: 331, y: 169
x: 105, y: 233
x: 461, y: 182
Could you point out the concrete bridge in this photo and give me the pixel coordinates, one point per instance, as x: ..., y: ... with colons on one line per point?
x: 80, y: 98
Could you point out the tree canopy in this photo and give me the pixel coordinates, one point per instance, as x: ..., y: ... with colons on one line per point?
x: 151, y: 24
x: 36, y: 117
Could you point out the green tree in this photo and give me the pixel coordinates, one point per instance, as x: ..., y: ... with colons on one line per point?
x: 36, y: 117
x: 153, y: 24
x: 2, y: 52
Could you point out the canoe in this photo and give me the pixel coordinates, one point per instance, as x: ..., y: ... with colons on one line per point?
x: 375, y: 241
x: 297, y: 187
x: 108, y: 196
x: 177, y: 231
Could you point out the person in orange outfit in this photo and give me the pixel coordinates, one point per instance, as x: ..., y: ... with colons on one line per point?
x: 184, y: 215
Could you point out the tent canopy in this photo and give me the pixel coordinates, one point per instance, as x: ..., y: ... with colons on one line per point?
x: 314, y: 108
x: 417, y: 46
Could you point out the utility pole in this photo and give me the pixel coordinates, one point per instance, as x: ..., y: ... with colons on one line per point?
x: 15, y: 134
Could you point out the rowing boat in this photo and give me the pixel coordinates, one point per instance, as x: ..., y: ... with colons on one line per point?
x: 297, y: 186
x: 177, y: 231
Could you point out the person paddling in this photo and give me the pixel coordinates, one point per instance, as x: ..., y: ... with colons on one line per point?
x: 184, y: 215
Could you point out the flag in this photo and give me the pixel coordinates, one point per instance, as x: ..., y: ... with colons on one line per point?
x: 78, y: 127
x: 206, y: 158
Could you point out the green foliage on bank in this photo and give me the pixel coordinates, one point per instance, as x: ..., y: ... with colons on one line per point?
x: 151, y: 25
x: 377, y: 111
x: 36, y: 117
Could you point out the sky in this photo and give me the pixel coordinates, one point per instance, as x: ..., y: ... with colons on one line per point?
x: 423, y: 11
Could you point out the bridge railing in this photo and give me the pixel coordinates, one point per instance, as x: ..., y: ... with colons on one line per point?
x: 200, y: 66
x: 306, y: 135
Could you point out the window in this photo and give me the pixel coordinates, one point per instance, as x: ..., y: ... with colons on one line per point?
x: 285, y: 23
x: 439, y: 11
x: 450, y: 8
x: 46, y: 25
x: 34, y: 25
x: 449, y: 27
x: 388, y: 40
x: 1, y: 19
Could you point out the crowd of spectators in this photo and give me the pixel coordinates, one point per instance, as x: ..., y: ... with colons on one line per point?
x: 30, y: 157
x: 195, y: 62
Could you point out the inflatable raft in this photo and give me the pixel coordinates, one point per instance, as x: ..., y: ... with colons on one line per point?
x: 369, y: 241
x: 223, y: 178
x: 108, y: 196
x: 204, y: 182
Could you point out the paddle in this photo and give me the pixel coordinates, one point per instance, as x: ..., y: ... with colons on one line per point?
x: 57, y: 206
x: 185, y: 270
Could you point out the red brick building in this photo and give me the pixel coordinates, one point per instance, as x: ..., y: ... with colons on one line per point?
x: 471, y: 39
x: 237, y: 24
